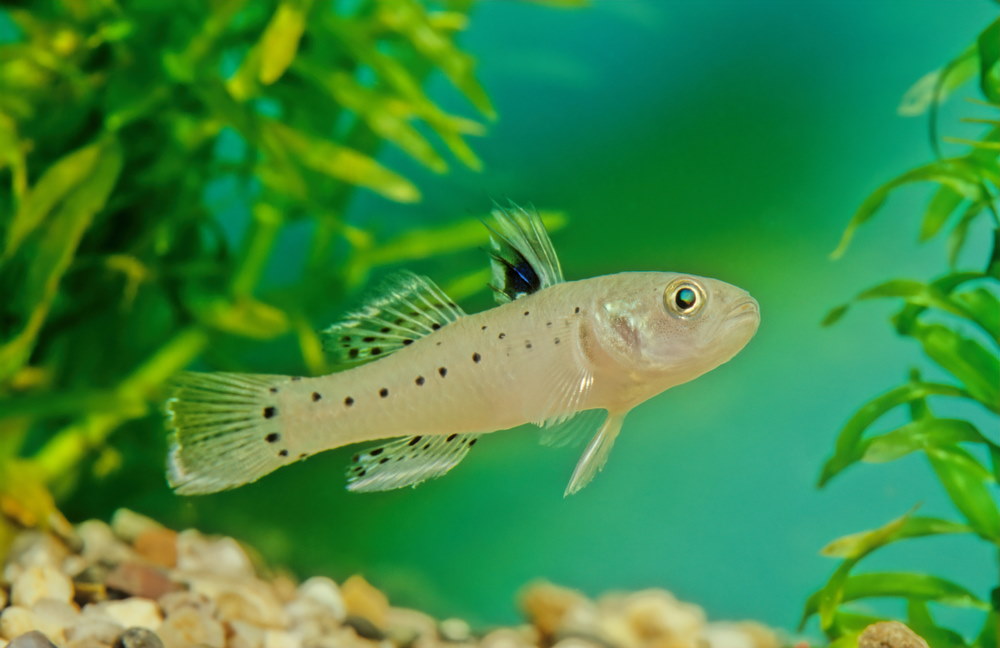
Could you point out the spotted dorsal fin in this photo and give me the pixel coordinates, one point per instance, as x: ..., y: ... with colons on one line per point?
x: 405, y: 308
x: 407, y: 462
x: 521, y: 254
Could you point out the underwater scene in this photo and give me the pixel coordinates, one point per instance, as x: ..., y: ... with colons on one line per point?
x: 512, y: 323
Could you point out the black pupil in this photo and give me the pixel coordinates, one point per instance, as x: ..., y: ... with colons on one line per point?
x: 685, y: 298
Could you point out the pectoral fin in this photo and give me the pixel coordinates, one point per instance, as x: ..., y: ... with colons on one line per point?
x: 596, y: 455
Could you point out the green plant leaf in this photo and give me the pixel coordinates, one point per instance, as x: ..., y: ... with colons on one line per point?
x: 52, y: 251
x: 920, y: 435
x: 857, y: 545
x: 910, y: 586
x: 920, y: 621
x: 850, y: 448
x: 988, y: 635
x: 988, y: 45
x: 959, y: 233
x: 942, y: 204
x: 280, y: 41
x: 920, y: 96
x: 984, y: 307
x: 954, y: 173
x: 340, y: 162
x: 967, y: 360
x: 968, y: 484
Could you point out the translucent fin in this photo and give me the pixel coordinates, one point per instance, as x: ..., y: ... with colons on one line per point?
x: 405, y: 308
x: 223, y: 428
x: 522, y: 257
x: 569, y: 381
x: 574, y: 430
x: 407, y: 462
x: 596, y: 455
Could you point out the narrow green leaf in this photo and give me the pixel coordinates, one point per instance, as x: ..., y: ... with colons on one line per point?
x: 920, y: 621
x: 953, y: 173
x: 905, y: 320
x: 342, y: 163
x: 967, y: 360
x: 850, y: 448
x: 984, y: 307
x: 988, y: 636
x: 52, y: 251
x: 988, y: 45
x: 920, y: 435
x: 857, y: 545
x: 968, y: 485
x: 52, y: 187
x: 942, y: 204
x: 910, y: 586
x: 280, y: 41
x: 835, y: 315
x: 920, y: 96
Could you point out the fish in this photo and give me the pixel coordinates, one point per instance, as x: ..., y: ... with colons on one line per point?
x: 426, y: 380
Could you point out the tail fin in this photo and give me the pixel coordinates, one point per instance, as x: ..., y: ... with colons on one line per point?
x: 220, y: 428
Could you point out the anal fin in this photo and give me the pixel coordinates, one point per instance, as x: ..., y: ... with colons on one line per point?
x: 407, y: 462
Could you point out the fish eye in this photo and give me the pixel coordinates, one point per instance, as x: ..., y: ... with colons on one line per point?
x: 684, y: 298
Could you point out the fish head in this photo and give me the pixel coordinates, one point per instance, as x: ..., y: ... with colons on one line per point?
x: 669, y: 328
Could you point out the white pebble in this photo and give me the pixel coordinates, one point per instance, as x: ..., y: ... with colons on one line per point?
x: 281, y: 639
x: 196, y: 553
x: 129, y: 525
x: 94, y: 627
x: 100, y: 543
x: 133, y: 612
x: 54, y: 617
x: 189, y: 627
x: 16, y: 620
x: 36, y: 583
x: 324, y: 591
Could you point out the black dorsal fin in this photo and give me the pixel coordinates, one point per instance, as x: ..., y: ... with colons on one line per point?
x: 521, y: 255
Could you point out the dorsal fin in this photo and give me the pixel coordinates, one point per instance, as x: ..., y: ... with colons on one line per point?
x: 521, y: 255
x: 407, y: 462
x: 405, y: 308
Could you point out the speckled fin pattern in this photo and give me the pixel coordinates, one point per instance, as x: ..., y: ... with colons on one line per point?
x: 407, y: 462
x: 406, y: 308
x: 522, y: 258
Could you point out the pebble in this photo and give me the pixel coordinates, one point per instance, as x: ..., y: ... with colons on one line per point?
x: 140, y: 580
x: 362, y: 599
x: 325, y: 593
x: 243, y: 634
x: 3, y: 598
x: 16, y: 621
x: 890, y: 634
x: 33, y: 639
x: 158, y: 546
x: 224, y: 556
x: 54, y: 617
x: 552, y: 608
x: 129, y: 525
x: 93, y: 628
x: 191, y: 627
x: 138, y: 638
x: 100, y: 545
x: 131, y: 612
x: 36, y: 583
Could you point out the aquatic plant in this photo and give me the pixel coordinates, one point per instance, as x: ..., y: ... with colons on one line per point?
x: 125, y: 130
x: 955, y: 318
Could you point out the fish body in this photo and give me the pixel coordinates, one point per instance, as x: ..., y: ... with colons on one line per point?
x: 440, y: 379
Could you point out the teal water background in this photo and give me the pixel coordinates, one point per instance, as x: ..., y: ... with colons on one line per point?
x: 727, y: 139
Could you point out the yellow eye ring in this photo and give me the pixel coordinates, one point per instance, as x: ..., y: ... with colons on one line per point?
x: 684, y: 298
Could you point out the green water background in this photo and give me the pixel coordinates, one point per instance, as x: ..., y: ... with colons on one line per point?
x: 727, y: 139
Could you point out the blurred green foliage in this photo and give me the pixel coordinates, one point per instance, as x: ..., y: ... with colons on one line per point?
x: 115, y: 122
x: 955, y: 318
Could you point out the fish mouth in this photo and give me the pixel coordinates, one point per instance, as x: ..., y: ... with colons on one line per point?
x: 745, y: 310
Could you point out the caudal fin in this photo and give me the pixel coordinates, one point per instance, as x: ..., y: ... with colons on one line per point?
x: 222, y: 428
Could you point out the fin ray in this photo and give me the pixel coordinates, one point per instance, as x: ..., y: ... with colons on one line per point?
x: 595, y: 456
x: 522, y: 258
x: 407, y: 462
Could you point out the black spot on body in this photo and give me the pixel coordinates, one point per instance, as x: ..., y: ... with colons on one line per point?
x: 283, y: 453
x: 443, y: 371
x: 557, y: 340
x: 302, y: 456
x: 274, y: 390
x: 526, y: 313
x: 407, y: 342
x: 415, y: 440
x: 451, y: 437
x: 577, y: 310
x: 502, y: 336
x: 348, y: 401
x: 273, y: 437
x: 435, y: 326
x: 316, y: 396
x: 269, y: 412
x: 484, y: 328
x: 476, y: 357
x: 527, y: 345
x: 296, y: 378
x: 419, y: 381
x: 383, y: 392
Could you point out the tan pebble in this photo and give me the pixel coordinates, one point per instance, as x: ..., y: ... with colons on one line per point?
x: 129, y: 525
x: 455, y: 630
x: 100, y: 544
x: 244, y: 635
x: 87, y: 643
x: 325, y: 592
x: 37, y: 549
x: 133, y: 612
x: 656, y: 616
x: 890, y: 634
x: 158, y: 546
x: 281, y: 639
x: 138, y: 579
x: 54, y: 617
x: 744, y: 633
x: 196, y: 553
x: 404, y: 626
x: 94, y: 627
x: 247, y: 599
x: 364, y: 600
x: 16, y: 620
x: 285, y: 587
x: 36, y: 583
x: 578, y: 642
x: 189, y: 627
x: 33, y: 639
x: 174, y: 601
x: 3, y: 598
x: 552, y: 608
x: 73, y: 565
x: 510, y: 638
